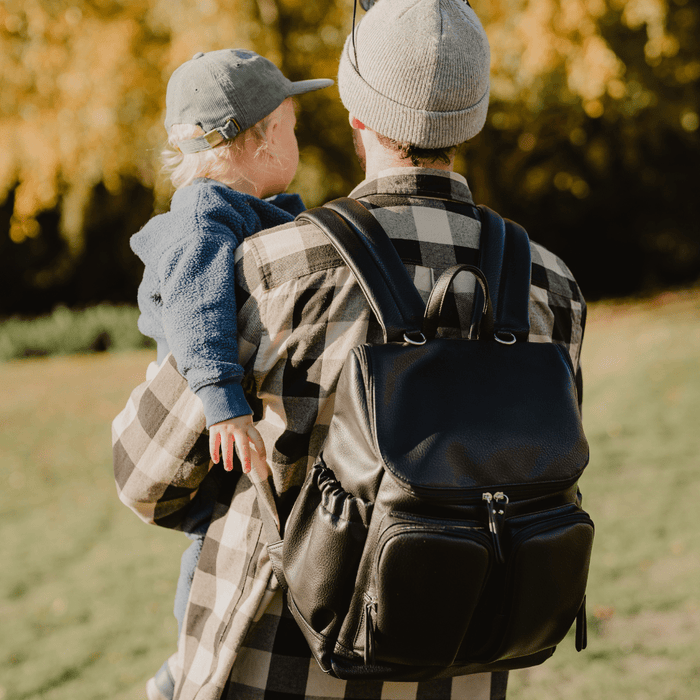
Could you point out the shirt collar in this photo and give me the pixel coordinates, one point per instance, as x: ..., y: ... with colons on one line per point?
x: 416, y: 182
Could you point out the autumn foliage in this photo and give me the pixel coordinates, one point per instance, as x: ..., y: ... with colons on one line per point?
x: 592, y: 140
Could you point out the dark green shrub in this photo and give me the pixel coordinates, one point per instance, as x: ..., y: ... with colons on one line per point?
x: 66, y: 332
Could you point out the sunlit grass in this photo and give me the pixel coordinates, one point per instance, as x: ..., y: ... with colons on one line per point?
x: 641, y: 406
x: 86, y: 589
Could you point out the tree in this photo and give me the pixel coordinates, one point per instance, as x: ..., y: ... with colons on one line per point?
x: 594, y: 115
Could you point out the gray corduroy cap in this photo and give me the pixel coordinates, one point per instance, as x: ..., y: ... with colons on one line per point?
x: 226, y: 92
x: 422, y: 72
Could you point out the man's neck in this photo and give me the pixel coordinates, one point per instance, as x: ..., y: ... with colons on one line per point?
x: 376, y: 158
x: 385, y: 161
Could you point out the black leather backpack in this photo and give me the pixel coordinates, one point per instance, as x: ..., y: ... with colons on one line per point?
x: 440, y: 532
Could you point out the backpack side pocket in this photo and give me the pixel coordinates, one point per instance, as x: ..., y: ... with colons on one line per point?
x: 324, y: 539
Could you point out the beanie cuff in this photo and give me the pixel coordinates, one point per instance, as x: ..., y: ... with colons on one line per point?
x: 421, y: 128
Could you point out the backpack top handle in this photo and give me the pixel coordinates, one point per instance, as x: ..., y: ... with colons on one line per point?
x: 433, y: 310
x: 366, y: 249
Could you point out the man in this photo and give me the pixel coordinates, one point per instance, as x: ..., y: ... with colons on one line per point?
x: 415, y: 82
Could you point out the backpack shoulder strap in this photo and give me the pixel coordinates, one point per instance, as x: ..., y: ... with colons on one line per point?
x: 514, y: 313
x: 504, y: 258
x: 366, y: 249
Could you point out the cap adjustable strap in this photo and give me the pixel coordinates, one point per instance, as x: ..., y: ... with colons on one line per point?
x: 212, y: 138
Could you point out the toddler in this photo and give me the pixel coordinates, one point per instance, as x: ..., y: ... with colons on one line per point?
x: 232, y: 153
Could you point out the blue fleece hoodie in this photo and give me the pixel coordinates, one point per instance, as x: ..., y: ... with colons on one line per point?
x: 187, y: 298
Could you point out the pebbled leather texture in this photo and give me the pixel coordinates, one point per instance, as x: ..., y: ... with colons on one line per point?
x: 457, y: 415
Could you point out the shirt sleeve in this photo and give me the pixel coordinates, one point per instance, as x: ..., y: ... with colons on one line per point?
x: 579, y: 374
x: 200, y: 321
x: 160, y: 449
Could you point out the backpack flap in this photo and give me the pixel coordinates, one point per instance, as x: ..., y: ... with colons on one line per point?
x: 467, y: 416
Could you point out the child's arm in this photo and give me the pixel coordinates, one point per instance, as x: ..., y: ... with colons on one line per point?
x: 243, y: 433
x: 199, y: 321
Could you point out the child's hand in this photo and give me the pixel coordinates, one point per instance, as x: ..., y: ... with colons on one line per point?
x: 241, y: 431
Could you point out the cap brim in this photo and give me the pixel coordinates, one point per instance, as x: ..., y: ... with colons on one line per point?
x: 302, y: 86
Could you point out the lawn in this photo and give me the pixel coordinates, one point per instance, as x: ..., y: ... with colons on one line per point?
x: 86, y: 589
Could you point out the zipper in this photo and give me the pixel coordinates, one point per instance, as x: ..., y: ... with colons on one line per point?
x: 496, y: 514
x: 370, y: 628
x: 578, y: 516
x: 466, y: 496
x: 581, y: 627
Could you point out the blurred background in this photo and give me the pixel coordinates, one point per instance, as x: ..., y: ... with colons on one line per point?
x: 592, y: 140
x: 592, y: 143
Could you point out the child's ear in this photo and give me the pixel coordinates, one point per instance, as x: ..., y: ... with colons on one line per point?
x: 273, y: 128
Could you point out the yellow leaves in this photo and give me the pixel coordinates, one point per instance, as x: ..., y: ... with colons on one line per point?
x: 79, y: 95
x: 527, y: 142
x: 22, y: 228
x: 592, y: 68
x: 651, y: 13
x: 36, y: 166
x: 688, y: 73
x: 539, y: 39
x: 593, y: 108
x: 565, y: 181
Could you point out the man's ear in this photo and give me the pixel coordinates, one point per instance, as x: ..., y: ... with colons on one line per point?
x: 355, y: 123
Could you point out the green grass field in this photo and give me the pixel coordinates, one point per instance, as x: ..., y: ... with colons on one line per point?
x: 86, y: 589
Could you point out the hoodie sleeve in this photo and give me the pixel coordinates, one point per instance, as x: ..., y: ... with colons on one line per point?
x: 200, y: 323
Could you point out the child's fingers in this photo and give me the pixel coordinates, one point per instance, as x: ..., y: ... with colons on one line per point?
x: 259, y: 463
x: 244, y: 452
x: 256, y: 439
x: 228, y: 451
x: 214, y: 444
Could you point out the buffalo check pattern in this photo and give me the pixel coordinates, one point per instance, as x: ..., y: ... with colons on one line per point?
x: 300, y: 313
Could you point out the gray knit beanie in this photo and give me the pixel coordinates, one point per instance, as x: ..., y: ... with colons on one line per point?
x: 422, y: 72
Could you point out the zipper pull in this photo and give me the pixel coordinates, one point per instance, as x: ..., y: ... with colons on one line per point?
x: 500, y: 497
x: 370, y: 628
x: 581, y: 627
x: 494, y: 525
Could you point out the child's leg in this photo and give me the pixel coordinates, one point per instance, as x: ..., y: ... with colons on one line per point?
x: 188, y: 565
x: 162, y: 685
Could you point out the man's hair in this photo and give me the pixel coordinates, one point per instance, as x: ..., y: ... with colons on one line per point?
x: 417, y: 155
x: 215, y: 163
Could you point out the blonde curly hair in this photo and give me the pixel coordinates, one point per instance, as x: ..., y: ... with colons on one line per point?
x: 217, y: 163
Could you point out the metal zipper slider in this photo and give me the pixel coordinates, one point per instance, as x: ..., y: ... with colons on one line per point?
x: 500, y: 497
x: 493, y: 523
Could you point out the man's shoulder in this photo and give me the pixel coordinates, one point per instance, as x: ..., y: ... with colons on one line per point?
x: 550, y: 272
x: 286, y: 252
